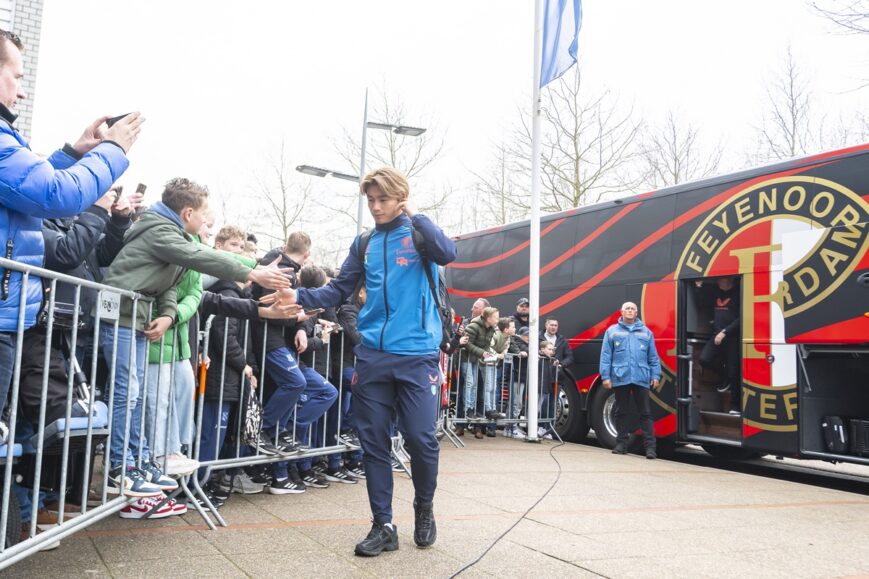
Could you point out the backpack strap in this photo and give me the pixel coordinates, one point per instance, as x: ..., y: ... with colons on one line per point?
x: 361, y: 246
x: 419, y: 245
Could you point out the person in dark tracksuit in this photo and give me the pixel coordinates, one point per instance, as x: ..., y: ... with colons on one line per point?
x: 397, y: 361
x: 629, y: 364
x: 721, y: 353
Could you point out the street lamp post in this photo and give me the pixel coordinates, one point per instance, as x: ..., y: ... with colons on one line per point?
x: 404, y: 130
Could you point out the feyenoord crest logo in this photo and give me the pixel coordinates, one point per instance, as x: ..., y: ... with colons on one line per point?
x: 816, y: 237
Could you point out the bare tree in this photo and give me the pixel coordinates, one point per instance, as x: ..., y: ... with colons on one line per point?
x: 589, y: 146
x: 410, y: 155
x: 284, y: 201
x: 852, y: 16
x: 672, y: 154
x: 790, y: 127
x: 496, y: 193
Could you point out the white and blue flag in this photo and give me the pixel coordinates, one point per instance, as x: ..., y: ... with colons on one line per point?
x: 561, y: 22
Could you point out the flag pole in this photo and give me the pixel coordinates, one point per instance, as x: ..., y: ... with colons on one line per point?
x: 534, y: 278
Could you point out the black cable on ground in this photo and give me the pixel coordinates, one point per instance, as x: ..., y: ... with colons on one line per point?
x: 519, y: 520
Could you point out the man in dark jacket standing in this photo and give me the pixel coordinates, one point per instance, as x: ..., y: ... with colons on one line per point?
x: 32, y: 188
x: 397, y: 362
x: 521, y: 315
x: 562, y: 349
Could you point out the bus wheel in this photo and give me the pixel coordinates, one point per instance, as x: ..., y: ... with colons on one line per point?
x: 603, y: 418
x: 570, y: 421
x: 730, y: 452
x: 13, y: 522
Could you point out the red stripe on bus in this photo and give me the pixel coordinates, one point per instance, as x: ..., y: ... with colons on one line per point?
x: 552, y: 264
x: 506, y: 254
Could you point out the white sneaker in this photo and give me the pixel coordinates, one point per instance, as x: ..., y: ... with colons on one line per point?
x: 540, y: 432
x: 177, y: 464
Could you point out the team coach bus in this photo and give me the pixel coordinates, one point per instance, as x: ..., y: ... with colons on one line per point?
x: 792, y: 238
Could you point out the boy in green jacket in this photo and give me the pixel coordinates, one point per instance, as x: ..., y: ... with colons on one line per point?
x: 157, y: 249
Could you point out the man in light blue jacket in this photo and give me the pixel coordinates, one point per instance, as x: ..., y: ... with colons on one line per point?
x: 33, y: 188
x: 629, y: 363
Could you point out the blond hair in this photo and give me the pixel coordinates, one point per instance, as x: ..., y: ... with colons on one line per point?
x: 389, y: 180
x: 298, y: 242
x: 228, y: 232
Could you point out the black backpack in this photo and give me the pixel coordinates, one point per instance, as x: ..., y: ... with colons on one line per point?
x: 440, y: 295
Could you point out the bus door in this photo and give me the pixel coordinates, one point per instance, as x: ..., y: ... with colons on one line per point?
x: 706, y: 409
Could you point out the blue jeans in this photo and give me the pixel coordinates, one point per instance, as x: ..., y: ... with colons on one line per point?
x: 7, y: 361
x: 176, y: 413
x: 470, y: 369
x: 489, y: 389
x: 284, y: 370
x: 129, y: 375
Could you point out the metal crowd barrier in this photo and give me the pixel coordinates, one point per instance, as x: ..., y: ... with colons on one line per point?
x: 58, y: 456
x: 237, y: 459
x: 475, y: 388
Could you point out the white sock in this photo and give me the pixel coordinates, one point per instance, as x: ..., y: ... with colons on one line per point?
x: 389, y: 525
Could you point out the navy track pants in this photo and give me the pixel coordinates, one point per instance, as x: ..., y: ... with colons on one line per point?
x: 388, y: 385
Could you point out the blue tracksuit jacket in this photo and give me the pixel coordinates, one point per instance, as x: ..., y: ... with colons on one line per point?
x: 399, y: 316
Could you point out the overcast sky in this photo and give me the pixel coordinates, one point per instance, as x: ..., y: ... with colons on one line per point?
x: 221, y: 83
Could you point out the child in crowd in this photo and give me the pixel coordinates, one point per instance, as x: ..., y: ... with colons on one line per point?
x: 480, y: 332
x: 549, y: 366
x: 157, y: 249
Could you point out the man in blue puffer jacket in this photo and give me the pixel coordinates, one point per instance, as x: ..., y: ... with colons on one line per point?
x: 32, y: 188
x: 397, y: 362
x: 629, y: 364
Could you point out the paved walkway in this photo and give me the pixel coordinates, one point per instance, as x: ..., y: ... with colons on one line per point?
x: 612, y: 516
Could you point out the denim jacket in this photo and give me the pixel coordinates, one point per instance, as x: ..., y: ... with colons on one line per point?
x: 628, y: 355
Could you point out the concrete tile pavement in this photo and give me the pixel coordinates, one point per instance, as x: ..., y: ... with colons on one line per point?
x: 612, y: 516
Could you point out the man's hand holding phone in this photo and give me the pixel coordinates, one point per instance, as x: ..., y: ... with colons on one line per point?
x: 124, y: 131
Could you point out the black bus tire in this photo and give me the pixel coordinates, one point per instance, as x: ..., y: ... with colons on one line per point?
x: 603, y: 403
x: 13, y: 522
x: 571, y: 421
x: 730, y: 452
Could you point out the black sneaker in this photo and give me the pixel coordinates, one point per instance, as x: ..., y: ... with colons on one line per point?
x: 380, y: 538
x: 651, y: 454
x: 396, y: 465
x: 425, y: 531
x: 356, y: 470
x: 313, y: 480
x: 350, y: 438
x: 259, y: 473
x: 490, y: 432
x: 214, y: 489
x: 339, y: 475
x: 289, y: 445
x: 215, y: 502
x: 621, y: 448
x: 495, y: 415
x: 265, y: 445
x: 286, y: 486
x: 320, y: 467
